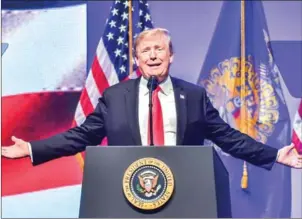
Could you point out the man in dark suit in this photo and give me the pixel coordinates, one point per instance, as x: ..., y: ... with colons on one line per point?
x: 182, y: 115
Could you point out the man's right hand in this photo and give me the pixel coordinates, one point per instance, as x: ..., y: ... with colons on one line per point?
x: 17, y: 150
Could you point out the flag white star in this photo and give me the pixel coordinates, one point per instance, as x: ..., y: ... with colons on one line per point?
x: 124, y: 57
x: 120, y: 40
x: 110, y: 36
x: 123, y: 68
x: 117, y: 1
x: 125, y: 15
x: 147, y: 17
x: 140, y: 12
x: 126, y: 44
x: 112, y: 23
x: 114, y: 12
x: 147, y: 4
x: 126, y: 3
x: 122, y: 28
x: 139, y: 25
x: 117, y: 52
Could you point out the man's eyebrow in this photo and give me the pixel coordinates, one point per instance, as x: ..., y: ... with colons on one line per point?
x: 146, y: 47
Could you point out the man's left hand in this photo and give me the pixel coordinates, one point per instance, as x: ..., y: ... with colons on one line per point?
x: 289, y: 156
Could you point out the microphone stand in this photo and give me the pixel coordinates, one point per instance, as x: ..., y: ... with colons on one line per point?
x: 152, y: 84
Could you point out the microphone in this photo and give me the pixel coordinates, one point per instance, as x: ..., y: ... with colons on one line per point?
x: 152, y: 85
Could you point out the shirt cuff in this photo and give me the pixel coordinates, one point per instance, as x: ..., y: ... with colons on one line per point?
x: 278, y: 154
x: 30, y: 152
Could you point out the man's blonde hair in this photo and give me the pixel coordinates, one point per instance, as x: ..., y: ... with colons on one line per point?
x: 152, y: 32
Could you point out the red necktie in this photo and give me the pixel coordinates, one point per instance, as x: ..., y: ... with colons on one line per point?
x: 158, y: 127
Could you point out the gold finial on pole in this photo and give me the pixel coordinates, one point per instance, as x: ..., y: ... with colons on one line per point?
x: 244, y: 178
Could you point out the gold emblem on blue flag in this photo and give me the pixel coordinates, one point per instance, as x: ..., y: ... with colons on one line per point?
x: 148, y: 184
x: 259, y: 101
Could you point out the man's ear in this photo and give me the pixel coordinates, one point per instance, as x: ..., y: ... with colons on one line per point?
x: 171, y: 58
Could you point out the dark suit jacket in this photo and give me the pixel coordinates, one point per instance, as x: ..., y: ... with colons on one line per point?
x: 116, y: 116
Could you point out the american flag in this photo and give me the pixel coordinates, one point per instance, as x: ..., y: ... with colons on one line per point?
x: 297, y: 129
x: 111, y: 62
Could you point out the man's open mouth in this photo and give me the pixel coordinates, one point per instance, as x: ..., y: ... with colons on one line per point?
x: 154, y: 65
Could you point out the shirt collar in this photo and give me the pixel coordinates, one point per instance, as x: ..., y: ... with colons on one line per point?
x: 166, y: 86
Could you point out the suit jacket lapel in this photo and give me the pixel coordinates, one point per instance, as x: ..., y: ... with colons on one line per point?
x: 131, y: 99
x: 181, y: 110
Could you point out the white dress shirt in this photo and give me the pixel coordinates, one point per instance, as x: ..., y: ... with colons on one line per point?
x: 167, y: 101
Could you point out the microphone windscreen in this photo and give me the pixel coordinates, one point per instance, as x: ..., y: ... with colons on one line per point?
x: 152, y: 83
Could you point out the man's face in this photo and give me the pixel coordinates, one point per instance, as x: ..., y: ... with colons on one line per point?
x: 153, y: 56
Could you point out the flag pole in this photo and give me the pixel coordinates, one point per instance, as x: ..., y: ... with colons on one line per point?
x: 243, y: 111
x: 130, y: 39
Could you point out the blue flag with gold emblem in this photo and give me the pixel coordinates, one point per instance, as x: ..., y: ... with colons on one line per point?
x: 243, y: 83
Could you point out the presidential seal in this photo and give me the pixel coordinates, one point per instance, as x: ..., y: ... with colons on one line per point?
x: 148, y: 184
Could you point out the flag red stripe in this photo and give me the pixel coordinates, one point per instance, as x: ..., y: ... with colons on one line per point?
x: 296, y: 139
x: 99, y: 76
x: 86, y: 103
x: 297, y: 142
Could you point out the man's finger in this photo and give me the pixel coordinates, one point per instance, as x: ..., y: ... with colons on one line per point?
x: 291, y: 146
x: 298, y: 165
x: 8, y: 153
x: 5, y: 149
x: 287, y: 149
x: 5, y: 153
x: 14, y: 139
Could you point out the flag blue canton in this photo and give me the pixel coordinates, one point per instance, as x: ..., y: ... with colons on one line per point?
x: 116, y: 36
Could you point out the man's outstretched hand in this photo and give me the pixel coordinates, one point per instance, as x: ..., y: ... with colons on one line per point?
x: 290, y: 157
x: 17, y: 150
